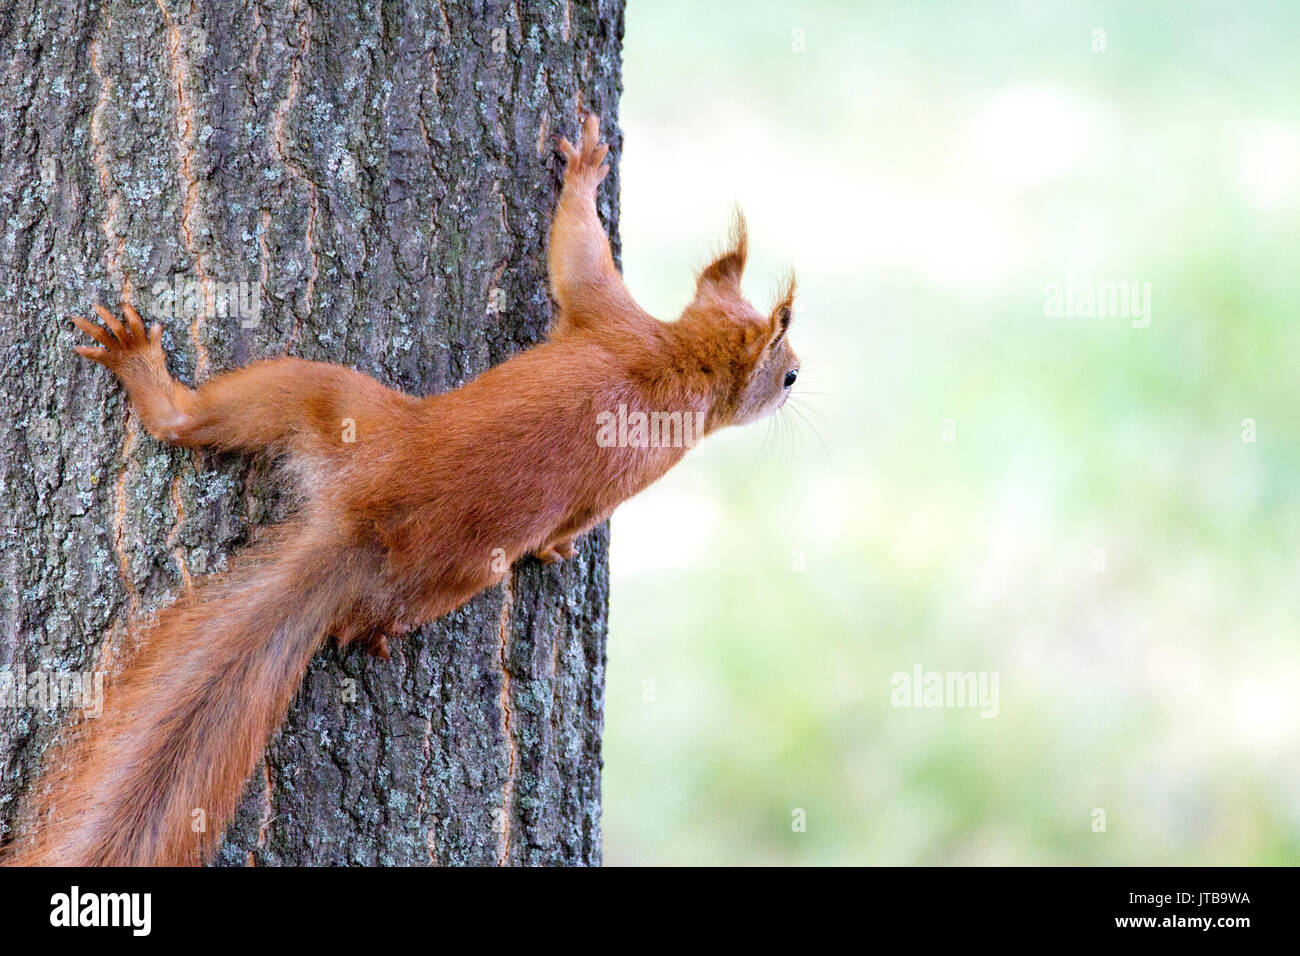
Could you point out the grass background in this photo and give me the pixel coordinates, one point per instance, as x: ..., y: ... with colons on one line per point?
x: 1098, y: 534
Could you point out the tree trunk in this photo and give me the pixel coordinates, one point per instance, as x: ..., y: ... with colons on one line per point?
x: 381, y: 176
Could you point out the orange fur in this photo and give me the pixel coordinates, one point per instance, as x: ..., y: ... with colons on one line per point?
x: 398, y: 527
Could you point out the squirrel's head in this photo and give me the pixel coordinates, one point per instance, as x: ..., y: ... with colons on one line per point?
x: 743, y: 353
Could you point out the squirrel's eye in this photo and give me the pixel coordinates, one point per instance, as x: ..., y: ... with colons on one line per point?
x: 790, y: 376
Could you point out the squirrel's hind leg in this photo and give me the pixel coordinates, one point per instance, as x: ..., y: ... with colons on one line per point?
x: 556, y: 551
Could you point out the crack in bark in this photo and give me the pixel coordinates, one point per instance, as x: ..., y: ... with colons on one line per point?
x: 259, y: 35
x: 296, y: 170
x: 267, y: 812
x: 542, y: 130
x: 119, y: 515
x: 178, y: 553
x: 99, y: 159
x: 116, y: 262
x: 264, y: 257
x: 508, y: 789
x: 422, y: 803
x: 186, y: 135
x: 446, y: 21
x: 433, y: 170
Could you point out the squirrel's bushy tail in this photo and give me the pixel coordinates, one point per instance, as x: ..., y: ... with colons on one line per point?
x: 153, y: 779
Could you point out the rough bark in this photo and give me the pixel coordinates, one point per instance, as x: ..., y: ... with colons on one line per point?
x: 385, y: 172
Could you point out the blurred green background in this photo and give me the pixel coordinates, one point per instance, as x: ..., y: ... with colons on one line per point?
x: 1099, y: 533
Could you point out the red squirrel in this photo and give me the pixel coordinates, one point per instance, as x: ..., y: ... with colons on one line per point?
x: 425, y: 508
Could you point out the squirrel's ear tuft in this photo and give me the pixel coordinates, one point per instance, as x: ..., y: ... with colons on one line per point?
x: 782, y: 312
x: 728, y: 267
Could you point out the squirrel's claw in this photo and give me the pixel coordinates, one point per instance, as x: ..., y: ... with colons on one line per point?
x: 136, y: 324
x: 114, y: 326
x: 94, y: 331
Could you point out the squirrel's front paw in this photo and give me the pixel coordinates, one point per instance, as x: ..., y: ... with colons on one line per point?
x: 584, y: 166
x: 126, y: 341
